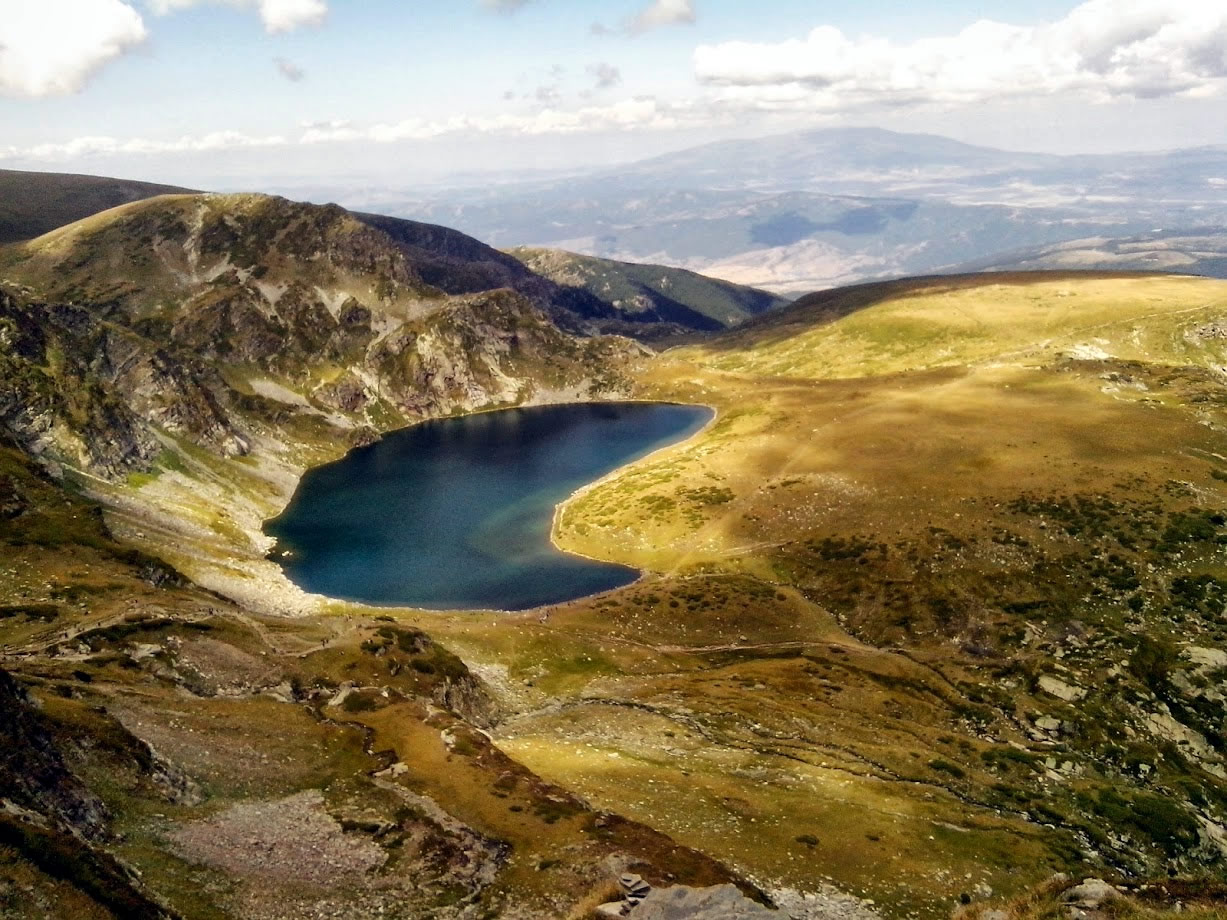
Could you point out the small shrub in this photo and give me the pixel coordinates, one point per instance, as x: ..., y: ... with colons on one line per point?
x: 359, y: 702
x: 945, y: 766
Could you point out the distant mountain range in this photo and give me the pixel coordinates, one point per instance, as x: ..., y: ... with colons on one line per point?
x: 803, y: 211
x: 1199, y: 251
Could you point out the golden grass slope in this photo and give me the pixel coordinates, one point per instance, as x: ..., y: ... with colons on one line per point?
x: 921, y: 504
x: 1018, y: 319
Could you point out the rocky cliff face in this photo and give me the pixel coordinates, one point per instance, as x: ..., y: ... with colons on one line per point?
x: 204, y: 318
x: 95, y: 394
x: 33, y: 775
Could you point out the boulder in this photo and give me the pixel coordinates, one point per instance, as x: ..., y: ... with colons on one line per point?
x: 723, y: 902
x: 1060, y: 689
x: 1092, y: 893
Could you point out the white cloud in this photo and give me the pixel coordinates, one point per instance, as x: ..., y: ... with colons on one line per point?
x: 277, y: 15
x: 504, y: 6
x: 644, y: 113
x: 1103, y: 49
x: 330, y: 132
x: 52, y: 47
x: 655, y: 14
x: 604, y: 75
x: 94, y: 146
x: 663, y: 13
x: 289, y: 69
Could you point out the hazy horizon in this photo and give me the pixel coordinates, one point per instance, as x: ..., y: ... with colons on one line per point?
x: 278, y: 93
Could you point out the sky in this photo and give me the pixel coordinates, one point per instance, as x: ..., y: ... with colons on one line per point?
x: 252, y: 93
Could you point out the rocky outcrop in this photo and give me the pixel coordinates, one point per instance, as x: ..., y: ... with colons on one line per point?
x: 33, y: 774
x: 723, y: 902
x: 1091, y: 894
x: 80, y: 389
x: 492, y: 349
x: 68, y: 860
x: 51, y: 818
x: 47, y: 402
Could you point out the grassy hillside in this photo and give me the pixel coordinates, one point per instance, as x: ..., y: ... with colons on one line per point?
x: 943, y: 579
x: 671, y: 293
x: 1025, y: 319
x: 34, y: 203
x: 156, y: 255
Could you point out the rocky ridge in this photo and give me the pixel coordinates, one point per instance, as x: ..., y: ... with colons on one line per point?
x: 653, y: 293
x: 203, y: 318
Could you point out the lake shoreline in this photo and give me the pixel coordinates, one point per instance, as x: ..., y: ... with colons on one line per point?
x: 444, y: 510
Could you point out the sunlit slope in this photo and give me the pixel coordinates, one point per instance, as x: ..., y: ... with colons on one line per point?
x: 1016, y: 483
x: 1024, y: 319
x: 164, y: 255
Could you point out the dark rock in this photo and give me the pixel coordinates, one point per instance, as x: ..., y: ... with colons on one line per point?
x: 33, y: 773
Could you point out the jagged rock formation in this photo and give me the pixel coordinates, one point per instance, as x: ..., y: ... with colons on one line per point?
x: 93, y: 392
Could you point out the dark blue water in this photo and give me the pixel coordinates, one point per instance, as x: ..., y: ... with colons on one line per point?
x: 456, y: 513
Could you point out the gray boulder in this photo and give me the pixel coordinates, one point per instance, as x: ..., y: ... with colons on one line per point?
x: 723, y: 902
x: 1092, y: 893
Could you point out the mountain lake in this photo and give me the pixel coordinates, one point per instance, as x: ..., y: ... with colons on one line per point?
x: 456, y: 513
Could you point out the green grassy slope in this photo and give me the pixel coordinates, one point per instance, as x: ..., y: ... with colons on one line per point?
x: 1190, y: 251
x: 1021, y: 318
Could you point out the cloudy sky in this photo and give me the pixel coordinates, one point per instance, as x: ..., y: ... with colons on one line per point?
x: 222, y: 93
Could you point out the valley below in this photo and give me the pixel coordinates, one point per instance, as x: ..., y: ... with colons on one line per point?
x: 932, y: 610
